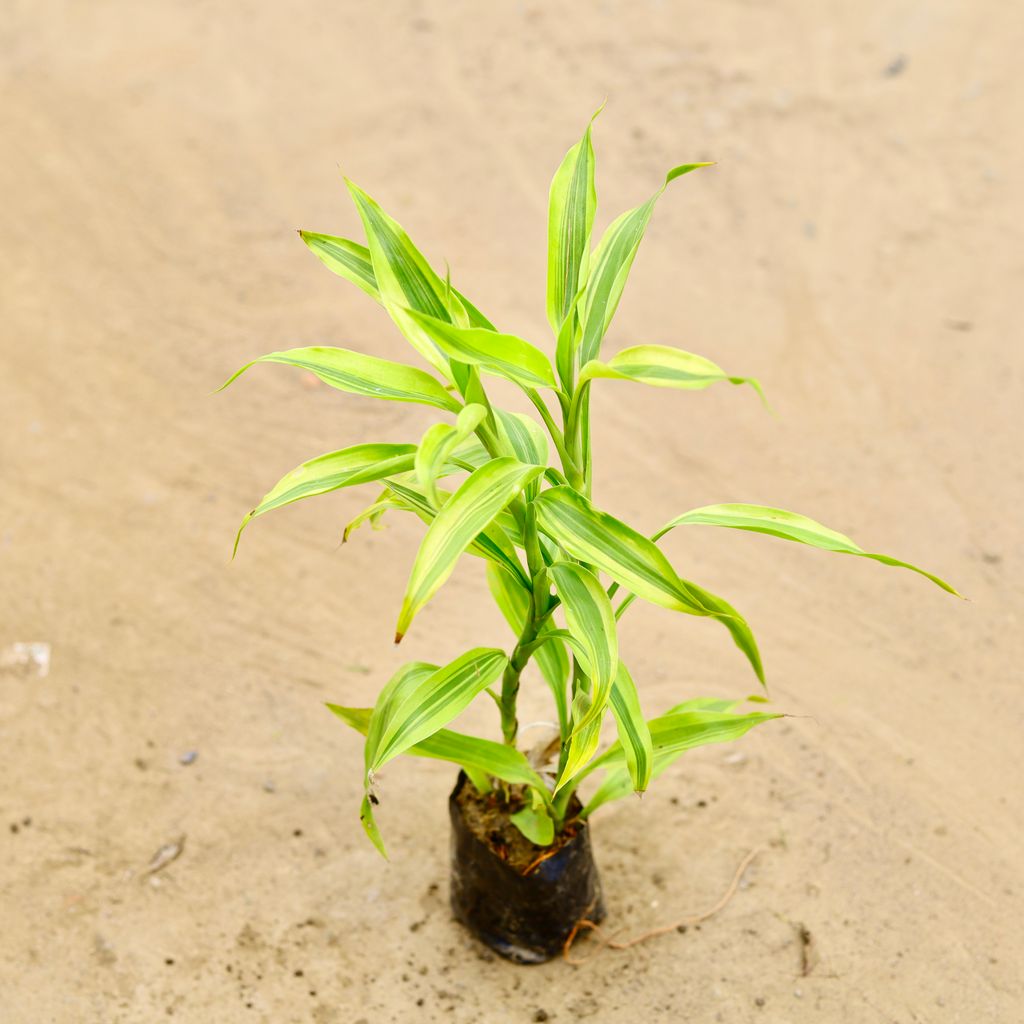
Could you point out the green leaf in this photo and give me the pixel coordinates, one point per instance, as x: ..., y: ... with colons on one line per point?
x: 708, y: 704
x: 663, y: 367
x: 526, y: 437
x: 671, y: 736
x: 439, y: 442
x: 370, y: 825
x: 535, y: 823
x: 469, y: 511
x: 566, y: 343
x: 633, y: 561
x: 599, y: 539
x: 742, y: 635
x: 634, y: 733
x: 476, y: 318
x: 390, y: 698
x: 346, y: 258
x: 431, y: 703
x: 373, y: 513
x: 789, y: 526
x: 513, y: 599
x: 572, y: 202
x: 404, y: 277
x: 362, y: 375
x: 351, y: 260
x: 590, y: 619
x: 492, y: 543
x: 470, y: 752
x: 360, y: 464
x: 505, y: 355
x: 610, y: 267
x: 585, y: 737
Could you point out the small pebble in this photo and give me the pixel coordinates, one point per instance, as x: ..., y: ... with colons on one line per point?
x: 269, y: 787
x: 896, y: 67
x: 189, y: 757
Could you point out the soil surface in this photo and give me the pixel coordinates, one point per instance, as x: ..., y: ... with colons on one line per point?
x: 489, y: 819
x: 179, y: 812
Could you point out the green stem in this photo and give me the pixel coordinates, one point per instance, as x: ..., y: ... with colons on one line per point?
x: 568, y: 465
x: 540, y: 611
x: 572, y: 420
x: 519, y: 659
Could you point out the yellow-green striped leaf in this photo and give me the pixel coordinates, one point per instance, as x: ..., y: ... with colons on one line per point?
x: 671, y: 736
x: 432, y: 702
x: 439, y: 442
x: 512, y: 597
x: 662, y: 366
x: 373, y: 512
x: 571, y: 204
x: 634, y: 733
x: 584, y: 741
x: 404, y: 277
x: 526, y: 437
x: 345, y: 258
x: 591, y: 620
x: 707, y: 704
x: 361, y: 375
x: 469, y: 511
x: 599, y: 539
x: 566, y: 343
x: 609, y: 267
x: 391, y: 696
x: 494, y: 542
x: 360, y: 464
x: 504, y: 355
x: 351, y: 260
x: 634, y: 561
x: 789, y: 526
x: 479, y: 755
x: 742, y: 635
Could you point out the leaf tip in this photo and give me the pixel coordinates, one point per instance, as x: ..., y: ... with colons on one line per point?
x: 678, y: 172
x: 238, y: 536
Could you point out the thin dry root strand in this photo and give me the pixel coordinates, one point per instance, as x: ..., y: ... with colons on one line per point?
x: 538, y: 861
x: 609, y: 942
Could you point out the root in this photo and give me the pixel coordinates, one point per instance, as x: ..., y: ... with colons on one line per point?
x: 610, y: 942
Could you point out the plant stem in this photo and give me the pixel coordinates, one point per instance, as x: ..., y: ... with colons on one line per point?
x: 568, y: 466
x: 510, y: 683
x: 519, y: 659
x: 539, y: 612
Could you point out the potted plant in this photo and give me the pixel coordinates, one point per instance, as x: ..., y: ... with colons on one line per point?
x: 515, y: 491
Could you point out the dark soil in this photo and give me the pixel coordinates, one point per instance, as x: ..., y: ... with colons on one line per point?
x: 488, y: 818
